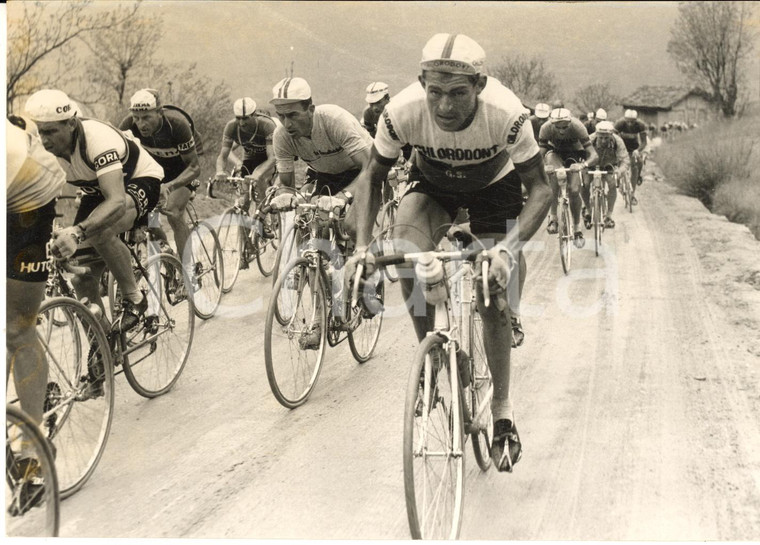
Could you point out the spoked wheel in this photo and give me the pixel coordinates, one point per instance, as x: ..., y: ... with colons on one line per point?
x: 266, y: 238
x: 32, y: 497
x: 363, y: 339
x: 481, y: 391
x: 230, y: 232
x: 287, y: 252
x: 433, y: 446
x: 155, y: 352
x: 629, y: 197
x: 294, y: 352
x: 388, y: 220
x: 565, y: 238
x: 79, y: 400
x: 205, y: 261
x: 597, y: 224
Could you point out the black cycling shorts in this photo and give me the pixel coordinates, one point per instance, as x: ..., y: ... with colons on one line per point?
x: 330, y: 184
x: 489, y: 208
x: 28, y: 235
x: 569, y: 157
x: 143, y: 191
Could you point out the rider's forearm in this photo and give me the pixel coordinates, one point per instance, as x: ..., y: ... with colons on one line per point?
x: 104, y: 215
x: 367, y: 200
x: 185, y: 177
x: 265, y: 170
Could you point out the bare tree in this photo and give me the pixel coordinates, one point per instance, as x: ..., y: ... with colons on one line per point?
x: 39, y: 31
x: 598, y: 95
x: 119, y: 52
x: 527, y: 77
x: 710, y: 42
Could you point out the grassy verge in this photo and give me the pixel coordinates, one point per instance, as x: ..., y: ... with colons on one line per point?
x: 719, y: 164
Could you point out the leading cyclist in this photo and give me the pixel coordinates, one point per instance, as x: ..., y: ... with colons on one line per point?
x: 474, y: 145
x: 634, y: 134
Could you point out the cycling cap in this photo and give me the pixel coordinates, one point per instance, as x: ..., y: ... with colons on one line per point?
x: 605, y: 127
x: 601, y: 114
x: 542, y: 110
x: 453, y: 54
x: 631, y: 114
x: 50, y: 105
x: 144, y: 100
x: 289, y: 90
x: 376, y: 91
x: 590, y: 115
x: 244, y: 107
x: 559, y: 114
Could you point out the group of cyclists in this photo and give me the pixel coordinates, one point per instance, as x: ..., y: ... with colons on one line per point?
x: 468, y: 141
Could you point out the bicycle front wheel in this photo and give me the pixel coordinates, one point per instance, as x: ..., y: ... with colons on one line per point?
x: 363, y: 338
x: 79, y: 399
x: 155, y: 352
x: 294, y: 351
x: 565, y: 238
x: 433, y: 446
x: 266, y: 238
x: 597, y: 223
x: 389, y: 219
x: 481, y: 391
x: 230, y: 233
x: 287, y: 251
x: 206, y: 263
x: 32, y: 497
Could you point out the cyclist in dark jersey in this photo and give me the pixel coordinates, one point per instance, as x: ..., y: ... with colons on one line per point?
x: 168, y: 137
x: 539, y: 117
x: 253, y: 131
x: 634, y: 134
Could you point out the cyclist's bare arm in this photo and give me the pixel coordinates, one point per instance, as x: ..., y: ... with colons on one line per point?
x: 191, y: 172
x: 592, y: 158
x: 112, y: 209
x: 265, y: 170
x: 226, y: 155
x: 540, y: 196
x: 367, y: 190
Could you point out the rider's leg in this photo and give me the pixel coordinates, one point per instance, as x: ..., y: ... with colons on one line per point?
x: 24, y: 353
x: 635, y: 171
x: 552, y: 161
x: 174, y: 209
x: 611, y: 194
x: 573, y: 191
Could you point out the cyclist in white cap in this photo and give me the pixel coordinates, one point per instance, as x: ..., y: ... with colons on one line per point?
x: 612, y: 158
x: 121, y: 185
x: 253, y: 131
x: 377, y: 97
x: 539, y: 117
x: 33, y: 181
x: 166, y: 134
x: 473, y: 147
x: 634, y: 133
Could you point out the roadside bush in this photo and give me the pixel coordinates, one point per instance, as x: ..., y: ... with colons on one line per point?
x: 739, y: 201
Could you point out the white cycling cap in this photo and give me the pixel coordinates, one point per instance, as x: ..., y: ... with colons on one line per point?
x: 542, y: 110
x: 289, y: 90
x: 605, y: 127
x: 144, y: 100
x: 601, y: 113
x: 453, y: 54
x: 559, y: 114
x: 50, y: 105
x: 631, y: 114
x: 376, y: 91
x: 244, y: 107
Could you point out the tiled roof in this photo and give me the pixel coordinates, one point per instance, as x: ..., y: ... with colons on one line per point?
x: 661, y: 97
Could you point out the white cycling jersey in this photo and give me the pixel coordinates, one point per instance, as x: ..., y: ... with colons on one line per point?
x: 465, y: 160
x: 336, y: 136
x: 34, y: 177
x: 106, y: 149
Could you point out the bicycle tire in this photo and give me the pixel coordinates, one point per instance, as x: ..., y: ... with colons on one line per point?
x: 388, y: 220
x: 293, y: 382
x: 154, y: 354
x: 230, y: 234
x: 76, y: 419
x: 629, y: 192
x: 21, y: 498
x: 565, y: 237
x: 481, y: 384
x: 266, y: 248
x: 208, y: 269
x: 597, y: 212
x: 285, y: 254
x: 427, y: 418
x: 363, y: 340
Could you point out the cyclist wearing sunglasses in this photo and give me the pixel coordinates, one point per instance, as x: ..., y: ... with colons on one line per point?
x: 253, y: 131
x: 564, y: 142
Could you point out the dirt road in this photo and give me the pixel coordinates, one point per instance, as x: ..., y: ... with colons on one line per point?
x: 636, y: 392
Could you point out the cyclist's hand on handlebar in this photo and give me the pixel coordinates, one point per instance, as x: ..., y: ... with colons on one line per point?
x: 327, y: 203
x: 577, y: 167
x: 501, y: 263
x: 635, y: 155
x: 220, y: 177
x: 65, y: 242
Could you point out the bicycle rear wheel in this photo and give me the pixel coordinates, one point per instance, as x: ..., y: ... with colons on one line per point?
x: 565, y: 238
x: 433, y: 446
x: 207, y: 262
x: 363, y: 339
x: 597, y: 213
x: 294, y: 352
x: 79, y: 401
x: 32, y: 497
x: 230, y: 232
x: 155, y: 352
x: 266, y: 238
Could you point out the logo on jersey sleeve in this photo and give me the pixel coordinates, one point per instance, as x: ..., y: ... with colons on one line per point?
x: 187, y: 146
x: 515, y: 129
x: 106, y: 158
x: 389, y: 126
